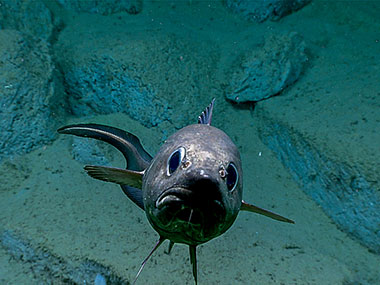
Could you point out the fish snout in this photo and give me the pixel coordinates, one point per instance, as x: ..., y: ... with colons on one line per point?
x: 197, y: 201
x: 196, y: 190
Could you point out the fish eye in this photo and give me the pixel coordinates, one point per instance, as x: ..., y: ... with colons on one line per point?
x: 175, y: 160
x: 232, y: 177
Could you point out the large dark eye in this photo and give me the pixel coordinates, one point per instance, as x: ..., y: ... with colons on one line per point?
x: 175, y: 160
x: 231, y: 177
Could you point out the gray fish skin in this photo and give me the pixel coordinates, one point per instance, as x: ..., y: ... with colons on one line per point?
x: 198, y: 185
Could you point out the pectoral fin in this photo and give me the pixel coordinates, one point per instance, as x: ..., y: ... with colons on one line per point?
x: 252, y: 208
x: 116, y: 175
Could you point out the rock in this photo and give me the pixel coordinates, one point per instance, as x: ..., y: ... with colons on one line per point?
x: 325, y: 133
x: 29, y: 17
x: 104, y: 86
x: 269, y: 70
x: 342, y: 191
x: 49, y: 268
x: 27, y: 94
x: 139, y: 77
x: 259, y: 11
x: 103, y: 7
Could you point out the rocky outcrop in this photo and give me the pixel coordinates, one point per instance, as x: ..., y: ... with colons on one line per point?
x: 28, y: 88
x: 340, y: 188
x: 259, y: 11
x: 267, y: 71
x: 52, y: 269
x: 29, y: 17
x: 103, y: 7
x: 105, y: 86
x: 139, y: 77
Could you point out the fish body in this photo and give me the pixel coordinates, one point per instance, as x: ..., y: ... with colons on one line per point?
x: 191, y: 190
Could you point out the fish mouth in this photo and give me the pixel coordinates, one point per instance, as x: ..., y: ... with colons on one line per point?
x: 197, y: 205
x: 179, y: 195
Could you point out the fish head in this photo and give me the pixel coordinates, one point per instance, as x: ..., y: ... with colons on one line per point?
x: 192, y: 189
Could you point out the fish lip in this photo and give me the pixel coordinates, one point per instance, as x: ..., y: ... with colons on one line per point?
x: 178, y: 193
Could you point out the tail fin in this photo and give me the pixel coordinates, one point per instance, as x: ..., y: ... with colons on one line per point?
x: 128, y: 144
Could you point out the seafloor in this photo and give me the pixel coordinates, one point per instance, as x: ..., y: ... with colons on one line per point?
x: 60, y: 226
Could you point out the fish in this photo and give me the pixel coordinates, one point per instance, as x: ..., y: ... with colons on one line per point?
x: 191, y: 190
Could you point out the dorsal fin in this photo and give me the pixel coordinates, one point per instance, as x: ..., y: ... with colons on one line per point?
x: 205, y: 117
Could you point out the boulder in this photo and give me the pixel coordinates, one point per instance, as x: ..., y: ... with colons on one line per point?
x: 267, y: 71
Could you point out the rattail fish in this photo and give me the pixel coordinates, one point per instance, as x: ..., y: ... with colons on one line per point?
x: 191, y: 190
